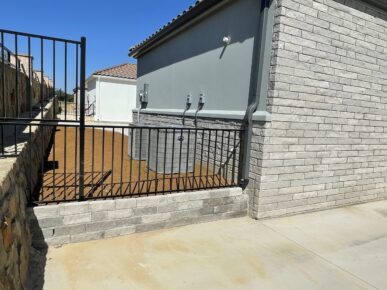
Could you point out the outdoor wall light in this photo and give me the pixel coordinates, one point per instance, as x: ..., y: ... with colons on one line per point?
x: 227, y: 40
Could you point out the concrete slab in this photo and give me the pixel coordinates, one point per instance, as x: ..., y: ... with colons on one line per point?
x: 353, y: 238
x: 336, y: 249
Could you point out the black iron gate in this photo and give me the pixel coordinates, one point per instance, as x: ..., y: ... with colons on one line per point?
x: 38, y: 74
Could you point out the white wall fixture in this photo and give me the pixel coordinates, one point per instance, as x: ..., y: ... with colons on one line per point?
x: 227, y: 40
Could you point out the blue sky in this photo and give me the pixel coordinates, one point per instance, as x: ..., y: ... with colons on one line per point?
x: 110, y: 27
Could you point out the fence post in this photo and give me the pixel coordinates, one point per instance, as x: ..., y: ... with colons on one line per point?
x: 82, y: 121
x: 241, y: 166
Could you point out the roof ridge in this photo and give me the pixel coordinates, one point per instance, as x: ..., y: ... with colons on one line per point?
x: 112, y: 67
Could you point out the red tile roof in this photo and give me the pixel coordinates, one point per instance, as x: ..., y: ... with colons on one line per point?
x: 125, y: 71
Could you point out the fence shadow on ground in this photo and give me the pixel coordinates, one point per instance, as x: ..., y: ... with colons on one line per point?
x: 59, y: 186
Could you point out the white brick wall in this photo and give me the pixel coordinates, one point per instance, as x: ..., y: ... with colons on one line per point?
x: 326, y: 145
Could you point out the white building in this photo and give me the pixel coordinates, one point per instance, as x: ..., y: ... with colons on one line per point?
x: 111, y: 93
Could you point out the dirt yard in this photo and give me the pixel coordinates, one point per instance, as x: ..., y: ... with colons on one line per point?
x: 106, y: 173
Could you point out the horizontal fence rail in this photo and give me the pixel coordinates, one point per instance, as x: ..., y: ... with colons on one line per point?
x: 122, y: 161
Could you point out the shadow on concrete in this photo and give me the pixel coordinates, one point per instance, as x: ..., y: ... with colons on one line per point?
x: 38, y: 254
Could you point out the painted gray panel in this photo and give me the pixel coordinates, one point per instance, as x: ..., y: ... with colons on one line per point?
x: 196, y: 61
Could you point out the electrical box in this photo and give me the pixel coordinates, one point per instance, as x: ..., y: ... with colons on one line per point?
x: 145, y: 93
x: 202, y: 99
x: 189, y: 100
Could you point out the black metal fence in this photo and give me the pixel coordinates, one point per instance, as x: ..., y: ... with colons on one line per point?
x: 67, y: 160
x: 134, y: 161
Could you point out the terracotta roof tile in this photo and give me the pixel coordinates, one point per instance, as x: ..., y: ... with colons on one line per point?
x: 126, y: 71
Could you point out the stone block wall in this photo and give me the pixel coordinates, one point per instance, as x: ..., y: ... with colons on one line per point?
x: 91, y: 220
x: 15, y: 183
x: 326, y: 145
x: 16, y: 98
x: 15, y: 237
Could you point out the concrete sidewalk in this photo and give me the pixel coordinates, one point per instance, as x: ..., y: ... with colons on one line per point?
x: 337, y: 249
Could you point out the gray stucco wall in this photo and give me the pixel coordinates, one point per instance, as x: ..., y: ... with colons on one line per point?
x: 196, y: 61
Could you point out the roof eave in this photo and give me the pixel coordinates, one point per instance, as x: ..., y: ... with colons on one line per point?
x: 192, y: 14
x: 115, y: 77
x: 381, y: 4
x: 179, y: 22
